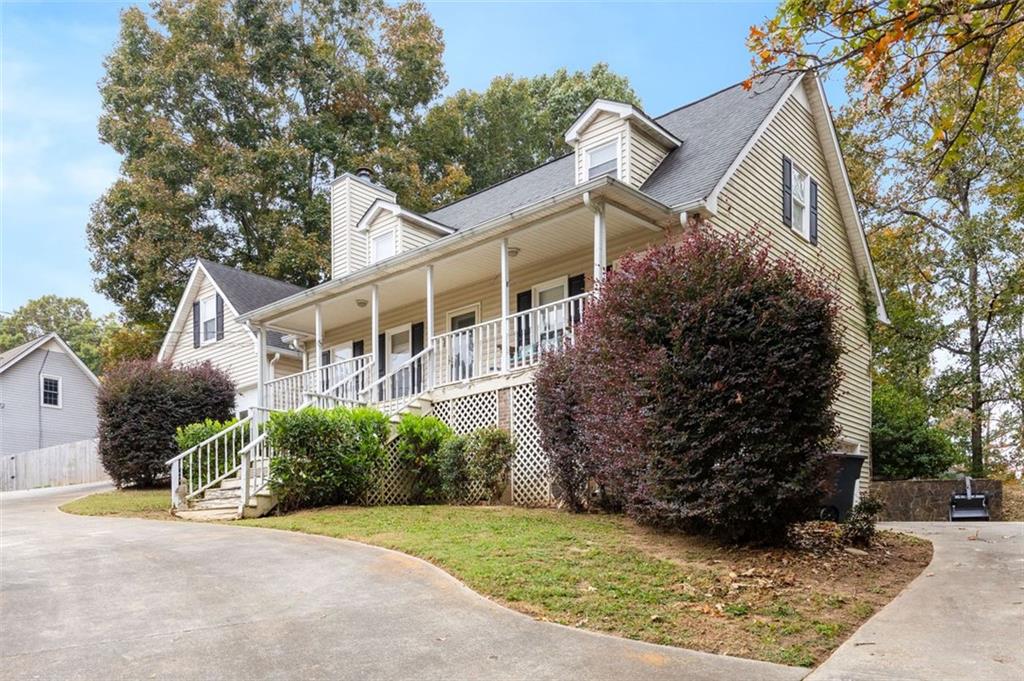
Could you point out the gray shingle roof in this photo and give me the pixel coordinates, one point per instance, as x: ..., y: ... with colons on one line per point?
x: 714, y: 130
x: 10, y: 354
x: 247, y: 291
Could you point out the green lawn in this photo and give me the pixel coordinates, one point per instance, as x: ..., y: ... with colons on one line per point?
x: 126, y: 502
x: 603, y: 572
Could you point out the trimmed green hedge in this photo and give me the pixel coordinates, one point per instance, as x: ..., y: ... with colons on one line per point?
x: 325, y: 456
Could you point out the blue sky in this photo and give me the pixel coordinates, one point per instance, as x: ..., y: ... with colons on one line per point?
x: 54, y: 167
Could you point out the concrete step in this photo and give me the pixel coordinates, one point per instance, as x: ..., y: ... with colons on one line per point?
x: 213, y: 504
x: 231, y: 483
x: 208, y: 514
x: 222, y: 493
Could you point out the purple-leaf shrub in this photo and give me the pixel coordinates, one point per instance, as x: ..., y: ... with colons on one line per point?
x: 702, y: 384
x: 140, y: 405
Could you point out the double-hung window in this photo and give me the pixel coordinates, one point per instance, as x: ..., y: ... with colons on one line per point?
x: 799, y: 201
x: 49, y: 387
x: 602, y: 160
x: 208, y: 317
x: 382, y: 246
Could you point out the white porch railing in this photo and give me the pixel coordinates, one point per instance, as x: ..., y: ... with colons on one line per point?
x: 342, y: 379
x: 544, y: 329
x: 476, y: 351
x: 395, y: 390
x: 472, y: 352
x: 209, y: 462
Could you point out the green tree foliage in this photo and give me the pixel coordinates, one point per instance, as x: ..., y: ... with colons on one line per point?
x: 231, y: 120
x: 130, y: 341
x: 948, y: 244
x: 904, y: 443
x: 70, y: 318
x: 512, y: 126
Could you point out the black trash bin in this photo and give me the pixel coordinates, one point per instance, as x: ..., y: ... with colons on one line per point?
x: 837, y: 506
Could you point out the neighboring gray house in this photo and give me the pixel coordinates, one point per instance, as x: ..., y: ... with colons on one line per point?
x: 47, y: 396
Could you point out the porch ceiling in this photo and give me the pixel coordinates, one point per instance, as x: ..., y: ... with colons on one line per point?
x: 569, y: 232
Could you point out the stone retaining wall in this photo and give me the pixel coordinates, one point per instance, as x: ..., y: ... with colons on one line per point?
x: 918, y: 500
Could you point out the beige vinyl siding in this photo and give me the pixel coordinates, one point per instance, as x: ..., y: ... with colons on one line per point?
x: 235, y: 353
x: 412, y: 237
x: 643, y: 155
x: 604, y: 128
x: 753, y: 197
x: 350, y: 199
x: 286, y: 366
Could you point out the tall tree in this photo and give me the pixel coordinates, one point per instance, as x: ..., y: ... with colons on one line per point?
x: 896, y: 50
x: 70, y: 318
x: 232, y: 117
x: 512, y: 126
x: 948, y: 241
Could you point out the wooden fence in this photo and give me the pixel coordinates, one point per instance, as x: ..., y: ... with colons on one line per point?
x: 67, y: 464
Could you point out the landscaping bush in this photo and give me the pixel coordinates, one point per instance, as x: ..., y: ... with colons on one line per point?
x: 140, y: 406
x: 453, y: 469
x: 859, y: 528
x: 324, y: 456
x: 705, y: 376
x: 419, y: 440
x: 478, y: 461
x: 490, y: 452
x: 558, y: 405
x: 904, y: 444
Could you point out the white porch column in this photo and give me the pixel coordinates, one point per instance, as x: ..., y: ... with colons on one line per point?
x: 600, y: 242
x: 430, y: 304
x: 318, y: 323
x: 261, y: 366
x: 504, y: 307
x: 375, y: 324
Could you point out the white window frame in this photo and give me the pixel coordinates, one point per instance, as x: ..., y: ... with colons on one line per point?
x: 803, y: 229
x: 60, y: 391
x: 374, y: 236
x: 551, y: 283
x: 212, y: 300
x: 474, y: 308
x: 617, y: 145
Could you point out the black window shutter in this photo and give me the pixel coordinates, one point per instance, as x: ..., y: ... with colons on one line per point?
x: 357, y: 348
x: 814, y: 213
x: 524, y: 301
x: 195, y: 324
x: 220, y: 318
x: 325, y: 357
x: 381, y: 349
x: 577, y: 285
x: 787, y: 192
x: 417, y: 348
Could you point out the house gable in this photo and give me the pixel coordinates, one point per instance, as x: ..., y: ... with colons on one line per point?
x: 751, y: 197
x: 351, y: 197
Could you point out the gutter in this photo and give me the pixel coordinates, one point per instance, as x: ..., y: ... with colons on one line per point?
x: 424, y: 254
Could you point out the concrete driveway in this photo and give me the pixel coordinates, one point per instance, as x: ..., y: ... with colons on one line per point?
x: 94, y: 598
x: 963, y: 618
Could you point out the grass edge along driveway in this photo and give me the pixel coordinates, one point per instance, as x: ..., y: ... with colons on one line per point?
x: 603, y: 572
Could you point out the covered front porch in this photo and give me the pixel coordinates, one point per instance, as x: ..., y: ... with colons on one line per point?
x: 467, y: 307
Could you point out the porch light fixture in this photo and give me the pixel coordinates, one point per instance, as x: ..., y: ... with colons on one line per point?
x: 513, y: 251
x: 360, y: 302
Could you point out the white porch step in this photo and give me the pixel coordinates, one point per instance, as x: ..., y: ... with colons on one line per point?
x: 222, y: 493
x: 214, y: 504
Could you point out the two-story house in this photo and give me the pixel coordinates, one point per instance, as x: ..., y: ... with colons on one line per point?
x: 452, y: 311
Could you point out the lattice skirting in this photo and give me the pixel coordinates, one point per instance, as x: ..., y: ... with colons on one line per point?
x: 530, y: 481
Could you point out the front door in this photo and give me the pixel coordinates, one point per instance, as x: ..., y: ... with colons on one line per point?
x: 462, y: 364
x: 551, y: 318
x: 399, y: 351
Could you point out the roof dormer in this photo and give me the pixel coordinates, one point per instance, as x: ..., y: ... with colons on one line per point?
x: 617, y: 139
x: 390, y: 229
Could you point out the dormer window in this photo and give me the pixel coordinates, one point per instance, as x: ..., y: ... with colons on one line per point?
x: 382, y: 246
x: 602, y: 160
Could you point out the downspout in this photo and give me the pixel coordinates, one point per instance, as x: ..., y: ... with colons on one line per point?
x: 39, y: 402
